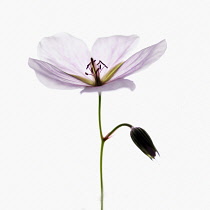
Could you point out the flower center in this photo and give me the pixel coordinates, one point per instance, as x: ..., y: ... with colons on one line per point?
x: 95, y: 69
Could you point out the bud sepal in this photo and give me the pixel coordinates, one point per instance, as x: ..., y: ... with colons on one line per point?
x: 143, y: 141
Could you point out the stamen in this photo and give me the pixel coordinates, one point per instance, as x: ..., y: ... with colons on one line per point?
x: 88, y: 66
x: 104, y: 65
x: 88, y: 74
x: 93, y: 65
x: 95, y: 70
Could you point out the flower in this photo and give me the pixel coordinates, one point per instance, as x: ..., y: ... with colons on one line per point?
x: 143, y: 141
x: 66, y: 63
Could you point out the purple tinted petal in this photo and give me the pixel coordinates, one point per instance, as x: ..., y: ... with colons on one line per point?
x: 114, y: 85
x: 65, y: 52
x: 111, y: 50
x: 141, y: 60
x: 53, y: 77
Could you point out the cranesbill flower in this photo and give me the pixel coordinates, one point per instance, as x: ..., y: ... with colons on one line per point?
x: 66, y: 63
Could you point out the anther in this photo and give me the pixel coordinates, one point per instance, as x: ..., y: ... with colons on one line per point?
x: 88, y: 74
x: 88, y: 66
x: 100, y: 62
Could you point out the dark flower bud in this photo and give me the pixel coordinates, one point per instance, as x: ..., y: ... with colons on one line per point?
x: 143, y: 141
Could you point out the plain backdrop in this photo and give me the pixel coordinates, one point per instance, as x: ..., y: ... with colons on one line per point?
x: 49, y: 139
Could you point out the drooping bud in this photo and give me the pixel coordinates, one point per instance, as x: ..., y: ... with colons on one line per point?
x: 143, y: 141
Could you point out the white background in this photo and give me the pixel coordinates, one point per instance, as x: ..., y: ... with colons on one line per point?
x: 49, y: 140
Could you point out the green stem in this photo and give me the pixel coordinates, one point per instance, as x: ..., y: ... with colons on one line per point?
x: 101, y: 174
x: 112, y: 131
x: 99, y: 115
x: 101, y: 151
x: 103, y: 139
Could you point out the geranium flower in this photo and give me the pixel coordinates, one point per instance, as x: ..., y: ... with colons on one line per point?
x: 66, y: 63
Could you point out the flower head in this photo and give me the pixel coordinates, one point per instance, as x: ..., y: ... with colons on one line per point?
x: 143, y: 141
x: 66, y: 63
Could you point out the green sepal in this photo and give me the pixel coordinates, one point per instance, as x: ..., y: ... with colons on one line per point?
x: 85, y: 80
x: 143, y: 141
x: 111, y: 73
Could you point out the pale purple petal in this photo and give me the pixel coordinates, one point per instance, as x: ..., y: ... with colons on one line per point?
x: 114, y: 85
x: 141, y: 60
x: 65, y: 52
x: 53, y: 77
x: 111, y: 50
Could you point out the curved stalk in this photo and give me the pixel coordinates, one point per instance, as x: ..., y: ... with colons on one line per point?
x: 113, y: 130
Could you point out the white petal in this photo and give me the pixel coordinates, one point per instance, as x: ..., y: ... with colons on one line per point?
x: 65, y: 52
x: 111, y: 50
x: 141, y: 60
x: 114, y: 85
x: 53, y: 77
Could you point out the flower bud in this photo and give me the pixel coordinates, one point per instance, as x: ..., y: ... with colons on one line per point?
x: 143, y: 142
